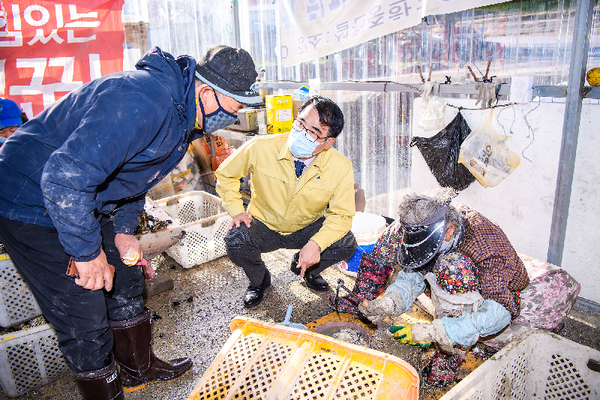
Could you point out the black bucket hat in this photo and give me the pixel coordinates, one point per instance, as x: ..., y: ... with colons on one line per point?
x: 230, y: 71
x: 421, y: 242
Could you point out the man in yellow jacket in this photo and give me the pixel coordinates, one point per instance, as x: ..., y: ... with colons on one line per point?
x: 302, y: 197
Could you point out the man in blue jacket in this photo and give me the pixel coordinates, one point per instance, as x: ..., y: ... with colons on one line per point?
x: 73, y: 183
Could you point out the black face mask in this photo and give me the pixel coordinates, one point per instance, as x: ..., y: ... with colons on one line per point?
x: 420, y: 243
x: 217, y: 119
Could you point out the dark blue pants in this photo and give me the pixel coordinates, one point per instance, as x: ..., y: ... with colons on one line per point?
x: 79, y: 316
x: 246, y: 244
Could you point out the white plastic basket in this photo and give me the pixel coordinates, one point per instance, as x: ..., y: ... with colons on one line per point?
x: 540, y: 366
x: 17, y: 303
x: 204, y: 221
x: 30, y: 358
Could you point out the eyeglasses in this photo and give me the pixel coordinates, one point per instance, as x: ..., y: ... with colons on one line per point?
x: 310, y: 135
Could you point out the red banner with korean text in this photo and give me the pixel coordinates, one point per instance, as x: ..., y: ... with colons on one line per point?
x: 50, y: 47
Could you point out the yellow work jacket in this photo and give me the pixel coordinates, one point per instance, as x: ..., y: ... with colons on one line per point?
x: 283, y: 202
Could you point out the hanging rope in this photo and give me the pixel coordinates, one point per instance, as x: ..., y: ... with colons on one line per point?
x: 386, y: 83
x: 529, y: 125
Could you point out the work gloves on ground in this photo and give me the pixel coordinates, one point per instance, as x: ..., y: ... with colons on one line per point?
x: 378, y: 310
x: 423, y: 335
x: 381, y: 310
x: 397, y: 299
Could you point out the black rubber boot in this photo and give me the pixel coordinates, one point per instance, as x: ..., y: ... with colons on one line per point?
x: 101, y: 384
x: 133, y: 351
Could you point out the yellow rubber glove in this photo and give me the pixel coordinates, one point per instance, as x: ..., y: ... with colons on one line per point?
x: 403, y: 332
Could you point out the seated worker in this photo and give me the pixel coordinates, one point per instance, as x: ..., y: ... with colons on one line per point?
x: 428, y: 228
x: 302, y: 197
x: 10, y: 119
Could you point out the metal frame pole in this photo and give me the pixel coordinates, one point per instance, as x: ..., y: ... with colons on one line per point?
x: 568, y: 150
x: 235, y: 9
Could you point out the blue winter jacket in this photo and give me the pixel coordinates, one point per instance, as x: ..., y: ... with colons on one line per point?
x: 99, y: 150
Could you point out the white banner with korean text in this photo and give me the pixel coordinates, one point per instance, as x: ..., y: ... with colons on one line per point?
x: 314, y: 28
x: 436, y: 7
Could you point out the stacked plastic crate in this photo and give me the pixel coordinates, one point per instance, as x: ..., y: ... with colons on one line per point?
x: 29, y: 357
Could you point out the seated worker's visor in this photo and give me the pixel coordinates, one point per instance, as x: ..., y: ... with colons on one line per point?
x: 420, y: 243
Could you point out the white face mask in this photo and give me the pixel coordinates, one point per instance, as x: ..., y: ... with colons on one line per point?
x: 299, y: 144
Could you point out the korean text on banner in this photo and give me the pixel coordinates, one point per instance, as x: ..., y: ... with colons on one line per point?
x: 315, y: 28
x: 49, y: 48
x: 312, y: 28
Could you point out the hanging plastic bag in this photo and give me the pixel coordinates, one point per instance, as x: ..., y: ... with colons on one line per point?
x: 441, y: 154
x: 486, y: 154
x: 434, y: 117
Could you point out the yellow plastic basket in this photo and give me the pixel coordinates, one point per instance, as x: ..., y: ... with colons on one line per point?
x: 268, y: 361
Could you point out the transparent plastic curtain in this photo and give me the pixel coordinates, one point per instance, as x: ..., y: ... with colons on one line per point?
x: 183, y: 26
x: 375, y: 139
x: 519, y: 37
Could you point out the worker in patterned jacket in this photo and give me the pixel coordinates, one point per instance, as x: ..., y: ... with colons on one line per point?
x: 429, y: 228
x: 466, y: 259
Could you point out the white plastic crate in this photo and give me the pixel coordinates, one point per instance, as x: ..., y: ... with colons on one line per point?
x: 17, y: 303
x: 541, y: 365
x: 30, y: 358
x: 205, y: 222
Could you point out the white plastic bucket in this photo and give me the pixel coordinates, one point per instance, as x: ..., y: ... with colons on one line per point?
x: 367, y: 228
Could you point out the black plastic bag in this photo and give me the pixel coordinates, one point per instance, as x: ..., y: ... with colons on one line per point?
x: 441, y: 154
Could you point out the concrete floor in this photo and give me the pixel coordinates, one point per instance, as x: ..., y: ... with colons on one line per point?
x: 193, y: 320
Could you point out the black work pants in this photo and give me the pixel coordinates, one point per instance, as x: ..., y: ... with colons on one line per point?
x: 79, y: 316
x: 246, y: 244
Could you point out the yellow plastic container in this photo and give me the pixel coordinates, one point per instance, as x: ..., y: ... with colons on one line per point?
x: 268, y: 361
x: 279, y: 113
